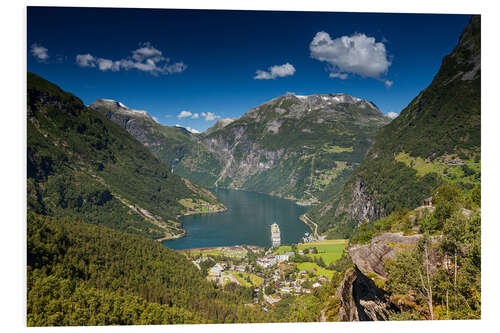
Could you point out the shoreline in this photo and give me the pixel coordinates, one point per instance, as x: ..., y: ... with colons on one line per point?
x: 222, y: 247
x: 184, y: 231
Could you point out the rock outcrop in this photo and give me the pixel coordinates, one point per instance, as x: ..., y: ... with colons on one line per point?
x: 371, y: 258
x: 361, y: 299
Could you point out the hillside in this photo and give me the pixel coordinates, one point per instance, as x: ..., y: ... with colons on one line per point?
x: 79, y: 274
x: 297, y: 147
x: 167, y: 143
x: 436, y: 139
x: 440, y: 243
x: 81, y: 164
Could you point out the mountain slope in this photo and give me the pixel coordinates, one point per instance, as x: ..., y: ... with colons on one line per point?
x: 435, y: 139
x: 81, y: 164
x: 79, y: 274
x: 292, y: 146
x: 167, y: 143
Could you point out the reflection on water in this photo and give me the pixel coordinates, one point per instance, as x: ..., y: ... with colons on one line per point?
x: 246, y: 221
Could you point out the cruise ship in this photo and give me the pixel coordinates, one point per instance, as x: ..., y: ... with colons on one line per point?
x: 275, y: 235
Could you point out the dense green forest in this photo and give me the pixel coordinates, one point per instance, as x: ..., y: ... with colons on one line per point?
x: 80, y: 274
x: 81, y: 164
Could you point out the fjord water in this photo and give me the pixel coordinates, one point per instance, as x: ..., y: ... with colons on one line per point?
x: 246, y: 221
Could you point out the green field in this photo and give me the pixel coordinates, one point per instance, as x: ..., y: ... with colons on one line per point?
x: 255, y: 280
x: 469, y: 173
x: 329, y: 250
x: 314, y: 268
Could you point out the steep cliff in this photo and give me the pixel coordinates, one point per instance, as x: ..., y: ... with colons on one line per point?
x: 361, y: 300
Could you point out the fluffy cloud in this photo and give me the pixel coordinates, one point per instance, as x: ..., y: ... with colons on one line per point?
x: 356, y: 54
x: 190, y: 129
x: 195, y: 116
x: 275, y: 71
x: 39, y: 52
x: 209, y: 116
x: 105, y: 64
x: 184, y: 114
x: 392, y: 115
x: 388, y: 83
x: 146, y: 58
x: 85, y: 60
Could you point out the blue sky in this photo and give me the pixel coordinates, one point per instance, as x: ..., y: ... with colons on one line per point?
x: 222, y: 63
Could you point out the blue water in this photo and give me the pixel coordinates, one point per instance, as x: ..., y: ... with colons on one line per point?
x: 246, y: 221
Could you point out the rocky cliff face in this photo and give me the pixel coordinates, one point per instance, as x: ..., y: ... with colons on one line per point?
x: 292, y: 146
x: 361, y: 299
x: 371, y: 258
x: 442, y: 124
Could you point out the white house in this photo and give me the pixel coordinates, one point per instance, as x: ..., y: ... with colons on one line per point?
x: 216, y: 270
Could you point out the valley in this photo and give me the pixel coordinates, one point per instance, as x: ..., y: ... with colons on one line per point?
x: 131, y: 222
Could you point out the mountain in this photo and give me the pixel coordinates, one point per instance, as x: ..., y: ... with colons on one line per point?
x: 297, y: 147
x: 81, y: 164
x: 220, y: 124
x: 167, y: 143
x: 293, y: 146
x: 436, y: 139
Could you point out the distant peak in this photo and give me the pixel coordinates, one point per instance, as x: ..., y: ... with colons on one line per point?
x: 333, y: 97
x: 119, y: 107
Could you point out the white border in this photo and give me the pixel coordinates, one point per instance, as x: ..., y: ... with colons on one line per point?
x: 13, y: 140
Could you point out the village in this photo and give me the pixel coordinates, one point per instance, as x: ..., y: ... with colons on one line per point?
x: 272, y: 273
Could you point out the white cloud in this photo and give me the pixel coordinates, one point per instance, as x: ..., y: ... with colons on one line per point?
x: 190, y: 129
x: 146, y: 51
x: 39, y: 52
x: 388, y: 83
x: 178, y: 67
x: 85, y: 60
x: 341, y: 76
x: 105, y: 64
x: 275, y: 71
x: 195, y: 116
x: 356, y: 54
x: 392, y: 115
x: 146, y: 58
x: 209, y: 116
x: 184, y: 114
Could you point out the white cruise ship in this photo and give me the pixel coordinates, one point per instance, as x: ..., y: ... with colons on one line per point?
x: 275, y: 235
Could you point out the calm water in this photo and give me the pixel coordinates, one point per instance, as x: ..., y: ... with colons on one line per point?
x: 246, y: 221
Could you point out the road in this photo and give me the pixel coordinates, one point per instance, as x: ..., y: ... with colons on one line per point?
x: 307, y: 220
